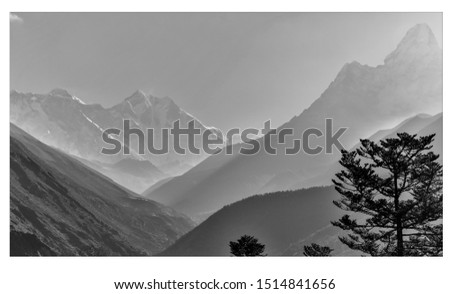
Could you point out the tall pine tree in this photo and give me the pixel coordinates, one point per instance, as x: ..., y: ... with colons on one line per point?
x: 394, y: 190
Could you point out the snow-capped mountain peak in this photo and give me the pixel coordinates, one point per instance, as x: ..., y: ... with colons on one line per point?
x: 62, y: 120
x: 419, y: 42
x: 62, y: 93
x: 137, y: 97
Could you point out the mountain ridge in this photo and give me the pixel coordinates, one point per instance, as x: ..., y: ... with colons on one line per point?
x: 62, y: 120
x: 359, y: 99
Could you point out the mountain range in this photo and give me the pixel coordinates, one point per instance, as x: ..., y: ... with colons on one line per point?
x: 69, y: 199
x: 64, y: 121
x: 362, y: 98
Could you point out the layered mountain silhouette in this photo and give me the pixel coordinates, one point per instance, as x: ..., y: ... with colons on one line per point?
x: 362, y: 98
x: 68, y: 199
x: 288, y: 220
x: 59, y: 206
x: 62, y: 120
x: 421, y: 124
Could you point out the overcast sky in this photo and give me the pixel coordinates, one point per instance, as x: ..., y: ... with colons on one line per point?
x: 227, y: 69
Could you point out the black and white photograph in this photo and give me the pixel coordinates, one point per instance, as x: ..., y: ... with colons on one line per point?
x: 273, y: 135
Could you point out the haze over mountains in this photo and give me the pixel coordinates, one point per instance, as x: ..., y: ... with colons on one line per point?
x: 288, y: 220
x: 62, y: 120
x: 362, y: 98
x: 69, y: 199
x: 61, y: 207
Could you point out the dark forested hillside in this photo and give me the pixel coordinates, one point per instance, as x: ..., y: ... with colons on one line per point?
x: 277, y: 219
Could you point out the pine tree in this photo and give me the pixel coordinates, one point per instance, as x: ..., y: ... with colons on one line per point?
x: 247, y: 246
x: 316, y: 250
x: 394, y: 190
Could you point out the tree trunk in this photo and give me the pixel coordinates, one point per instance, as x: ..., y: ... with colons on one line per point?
x: 398, y: 219
x: 400, y: 251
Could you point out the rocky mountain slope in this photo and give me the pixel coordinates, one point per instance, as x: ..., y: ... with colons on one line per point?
x: 59, y: 206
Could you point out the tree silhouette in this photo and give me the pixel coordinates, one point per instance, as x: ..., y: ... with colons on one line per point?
x: 317, y: 250
x: 395, y: 188
x: 247, y: 246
